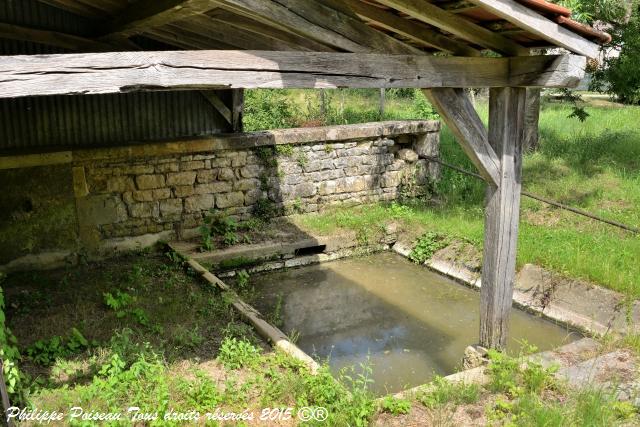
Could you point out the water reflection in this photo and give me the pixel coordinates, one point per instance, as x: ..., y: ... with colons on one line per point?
x: 407, y: 321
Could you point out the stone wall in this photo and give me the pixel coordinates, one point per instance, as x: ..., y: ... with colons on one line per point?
x: 137, y: 194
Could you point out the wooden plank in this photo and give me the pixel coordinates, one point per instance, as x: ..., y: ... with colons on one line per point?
x: 278, y: 16
x: 506, y: 128
x: 523, y: 17
x: 350, y: 27
x: 243, y: 23
x: 456, y: 109
x: 218, y: 104
x: 411, y: 29
x: 146, y: 14
x: 76, y: 8
x: 457, y: 25
x: 116, y: 72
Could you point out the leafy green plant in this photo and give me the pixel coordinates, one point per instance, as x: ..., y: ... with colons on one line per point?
x: 46, y: 352
x: 426, y: 245
x: 217, y: 224
x: 284, y: 150
x: 395, y: 406
x: 236, y: 354
x: 9, y: 353
x: 118, y: 302
x: 243, y: 279
x: 268, y: 109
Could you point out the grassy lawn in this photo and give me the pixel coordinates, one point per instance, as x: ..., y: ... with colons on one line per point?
x: 594, y: 165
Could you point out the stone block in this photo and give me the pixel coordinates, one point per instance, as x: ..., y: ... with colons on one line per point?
x: 228, y: 200
x: 147, y: 182
x: 289, y: 168
x: 238, y: 158
x: 252, y: 196
x: 201, y: 202
x: 144, y: 210
x: 408, y: 155
x: 303, y: 190
x: 149, y: 195
x: 318, y: 165
x: 120, y: 184
x: 171, y: 207
x: 181, y: 178
x: 213, y: 187
x: 246, y: 184
x: 251, y: 171
x: 226, y: 174
x: 391, y: 179
x: 184, y: 191
x: 193, y: 165
x: 167, y: 167
x: 427, y: 145
x: 206, y: 175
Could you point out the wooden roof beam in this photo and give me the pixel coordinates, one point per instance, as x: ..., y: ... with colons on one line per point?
x: 224, y: 17
x: 410, y: 29
x: 117, y: 72
x: 457, y: 25
x: 144, y: 15
x: 523, y: 17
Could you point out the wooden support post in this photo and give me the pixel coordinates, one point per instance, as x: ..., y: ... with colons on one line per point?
x: 237, y: 109
x: 382, y: 102
x: 532, y: 120
x: 506, y: 134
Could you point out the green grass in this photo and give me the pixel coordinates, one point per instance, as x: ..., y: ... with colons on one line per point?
x: 593, y: 165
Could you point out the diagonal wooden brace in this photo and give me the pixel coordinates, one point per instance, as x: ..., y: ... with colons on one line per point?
x: 458, y: 113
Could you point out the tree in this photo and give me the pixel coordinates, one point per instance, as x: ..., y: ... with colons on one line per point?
x: 620, y: 75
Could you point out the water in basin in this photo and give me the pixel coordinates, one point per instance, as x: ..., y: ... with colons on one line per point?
x: 407, y: 322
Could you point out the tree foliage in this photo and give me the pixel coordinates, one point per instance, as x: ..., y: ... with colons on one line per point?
x: 618, y: 74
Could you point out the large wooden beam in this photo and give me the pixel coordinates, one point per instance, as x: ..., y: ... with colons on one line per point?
x: 458, y: 113
x: 431, y: 14
x: 413, y: 30
x: 523, y: 17
x: 506, y: 129
x: 116, y: 72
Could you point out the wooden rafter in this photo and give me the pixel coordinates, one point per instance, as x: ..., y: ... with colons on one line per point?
x: 143, y: 15
x: 278, y: 16
x: 116, y: 72
x: 224, y: 17
x: 347, y: 25
x: 410, y: 29
x: 522, y: 17
x: 457, y: 25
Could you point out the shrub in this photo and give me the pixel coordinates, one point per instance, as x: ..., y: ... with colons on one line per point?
x: 268, y: 109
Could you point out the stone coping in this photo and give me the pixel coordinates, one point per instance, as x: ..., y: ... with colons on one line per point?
x: 219, y: 142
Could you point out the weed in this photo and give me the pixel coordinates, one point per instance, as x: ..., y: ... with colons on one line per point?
x: 201, y: 394
x: 46, y: 352
x: 284, y: 150
x: 265, y: 209
x: 302, y: 159
x: 427, y: 244
x: 243, y: 279
x: 118, y: 302
x: 443, y: 392
x: 275, y: 316
x: 395, y: 406
x: 236, y: 354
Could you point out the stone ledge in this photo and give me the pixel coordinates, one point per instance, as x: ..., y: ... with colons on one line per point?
x: 237, y: 141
